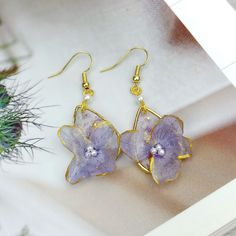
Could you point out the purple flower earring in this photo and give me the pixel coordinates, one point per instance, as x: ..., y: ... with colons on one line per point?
x: 94, y: 141
x: 156, y: 143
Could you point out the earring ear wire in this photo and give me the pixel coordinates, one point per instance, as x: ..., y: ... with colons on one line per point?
x: 125, y: 56
x: 85, y: 84
x: 135, y: 89
x: 75, y: 56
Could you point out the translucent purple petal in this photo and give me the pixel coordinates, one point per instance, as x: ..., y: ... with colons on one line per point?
x: 145, y: 163
x: 73, y: 138
x: 185, y: 146
x: 84, y: 168
x: 107, y: 165
x: 146, y: 121
x: 133, y: 145
x: 169, y: 123
x: 73, y: 174
x: 165, y: 169
x: 168, y: 133
x: 85, y: 120
x: 104, y: 137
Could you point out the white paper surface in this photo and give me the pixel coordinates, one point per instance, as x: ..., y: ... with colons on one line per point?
x: 37, y: 212
x: 213, y: 24
x: 204, y: 217
x: 179, y: 73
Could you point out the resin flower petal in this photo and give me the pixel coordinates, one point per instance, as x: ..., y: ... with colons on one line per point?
x: 171, y: 123
x: 168, y: 133
x: 164, y: 169
x: 145, y: 121
x: 134, y: 145
x: 186, y: 148
x: 81, y: 169
x: 73, y: 138
x: 85, y: 119
x: 105, y: 137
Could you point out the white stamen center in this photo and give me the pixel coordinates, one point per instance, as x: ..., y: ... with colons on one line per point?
x: 90, y: 152
x: 157, y: 150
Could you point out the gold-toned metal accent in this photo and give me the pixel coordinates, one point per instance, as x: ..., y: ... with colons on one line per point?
x: 71, y: 60
x: 84, y: 105
x: 136, y: 77
x: 85, y: 83
x: 151, y: 168
x: 104, y: 174
x: 89, y: 92
x: 104, y: 121
x: 147, y: 171
x: 190, y: 142
x: 100, y: 124
x: 137, y: 70
x: 135, y: 90
x: 185, y: 156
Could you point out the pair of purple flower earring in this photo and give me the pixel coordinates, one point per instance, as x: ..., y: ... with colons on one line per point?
x: 155, y: 143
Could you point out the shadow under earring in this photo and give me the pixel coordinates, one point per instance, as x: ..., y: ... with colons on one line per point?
x: 156, y: 142
x: 93, y: 140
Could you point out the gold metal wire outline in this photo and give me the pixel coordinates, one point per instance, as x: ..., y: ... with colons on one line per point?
x: 75, y: 56
x: 125, y: 56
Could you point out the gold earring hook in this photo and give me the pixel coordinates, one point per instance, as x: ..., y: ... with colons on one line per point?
x: 135, y: 89
x: 85, y: 84
x: 71, y: 60
x: 125, y: 56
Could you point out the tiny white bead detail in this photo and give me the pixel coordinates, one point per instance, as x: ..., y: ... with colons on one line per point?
x: 161, y: 152
x: 153, y: 151
x: 90, y: 152
x: 86, y: 97
x: 94, y: 153
x: 89, y: 148
x: 158, y: 146
x: 157, y: 150
x: 140, y: 98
